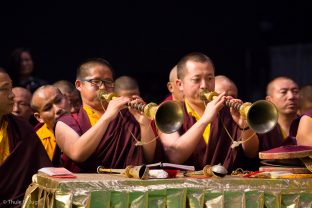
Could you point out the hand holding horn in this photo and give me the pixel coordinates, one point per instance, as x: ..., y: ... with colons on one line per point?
x: 261, y: 115
x: 168, y: 116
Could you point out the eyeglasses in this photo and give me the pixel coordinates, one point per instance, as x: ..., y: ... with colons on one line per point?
x: 99, y: 82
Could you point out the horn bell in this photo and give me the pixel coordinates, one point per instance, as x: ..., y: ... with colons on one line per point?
x: 169, y: 117
x: 262, y: 116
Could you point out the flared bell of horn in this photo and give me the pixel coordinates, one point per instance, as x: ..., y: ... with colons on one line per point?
x: 262, y: 116
x: 169, y: 117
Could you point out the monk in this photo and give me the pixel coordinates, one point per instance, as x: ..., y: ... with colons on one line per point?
x: 283, y: 92
x: 22, y: 153
x: 126, y: 86
x: 48, y: 104
x: 176, y: 94
x: 208, y: 131
x: 104, y: 133
x: 70, y: 93
x: 225, y: 84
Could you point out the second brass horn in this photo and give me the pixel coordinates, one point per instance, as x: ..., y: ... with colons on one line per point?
x: 168, y: 116
x: 261, y: 115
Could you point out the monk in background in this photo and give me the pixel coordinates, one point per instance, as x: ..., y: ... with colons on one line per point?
x: 22, y: 108
x: 126, y: 86
x: 176, y: 93
x: 225, y: 84
x: 70, y: 93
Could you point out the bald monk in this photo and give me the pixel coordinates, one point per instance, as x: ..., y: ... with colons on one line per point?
x: 126, y: 86
x: 22, y: 98
x: 22, y: 153
x: 176, y: 94
x: 70, y: 93
x: 48, y: 104
x: 225, y: 84
x: 202, y: 140
x: 283, y: 92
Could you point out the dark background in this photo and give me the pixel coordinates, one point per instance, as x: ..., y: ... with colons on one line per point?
x: 146, y: 39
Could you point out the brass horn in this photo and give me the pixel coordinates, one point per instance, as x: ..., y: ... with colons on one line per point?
x: 139, y: 172
x: 168, y: 116
x: 261, y: 115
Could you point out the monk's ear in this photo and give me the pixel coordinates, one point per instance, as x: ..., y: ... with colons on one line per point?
x: 179, y: 84
x: 78, y: 84
x: 170, y: 87
x: 268, y: 98
x: 37, y: 116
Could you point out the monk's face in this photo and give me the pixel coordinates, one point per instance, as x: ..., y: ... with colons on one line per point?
x: 197, y: 77
x: 51, y: 105
x: 89, y: 89
x: 284, y: 93
x: 6, y: 94
x: 22, y: 103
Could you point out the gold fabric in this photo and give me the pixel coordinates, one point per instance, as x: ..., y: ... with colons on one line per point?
x: 109, y: 190
x: 4, y: 142
x: 48, y: 140
x: 93, y: 116
x: 193, y: 113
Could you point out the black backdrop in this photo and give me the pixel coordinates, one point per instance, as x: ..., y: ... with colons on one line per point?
x: 146, y: 39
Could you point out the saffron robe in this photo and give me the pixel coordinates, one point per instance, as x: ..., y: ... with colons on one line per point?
x: 218, y: 150
x: 27, y: 155
x: 55, y: 152
x: 117, y: 147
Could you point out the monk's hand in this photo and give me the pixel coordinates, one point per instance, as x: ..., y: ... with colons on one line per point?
x: 213, y: 107
x: 237, y: 117
x: 114, y: 106
x: 139, y: 116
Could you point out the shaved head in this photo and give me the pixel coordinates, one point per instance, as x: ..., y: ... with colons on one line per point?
x: 225, y: 84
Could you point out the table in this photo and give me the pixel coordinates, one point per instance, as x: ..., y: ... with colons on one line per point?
x: 108, y: 190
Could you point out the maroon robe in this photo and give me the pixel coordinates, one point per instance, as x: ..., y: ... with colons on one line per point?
x: 271, y: 139
x: 27, y: 155
x: 219, y: 148
x: 295, y: 123
x: 117, y: 147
